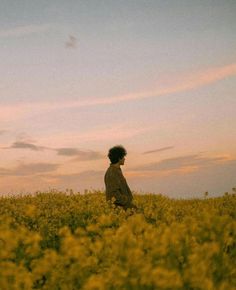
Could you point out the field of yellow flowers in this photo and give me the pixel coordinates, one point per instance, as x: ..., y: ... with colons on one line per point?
x: 57, y: 240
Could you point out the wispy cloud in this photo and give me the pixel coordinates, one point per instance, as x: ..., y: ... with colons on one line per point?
x: 28, y: 169
x: 71, y: 42
x: 89, y: 155
x: 215, y: 179
x: 194, y: 161
x: 159, y: 150
x: 20, y: 31
x: 25, y: 145
x: 80, y: 155
x: 105, y: 133
x: 175, y: 85
x: 67, y: 151
x: 122, y: 131
x: 180, y: 84
x: 16, y: 111
x: 24, y: 141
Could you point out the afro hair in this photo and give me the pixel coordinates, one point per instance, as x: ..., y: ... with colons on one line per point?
x: 116, y: 153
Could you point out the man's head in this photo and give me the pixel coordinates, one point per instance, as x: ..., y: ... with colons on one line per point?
x: 117, y: 154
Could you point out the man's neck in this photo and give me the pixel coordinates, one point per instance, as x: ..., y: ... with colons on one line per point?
x: 117, y: 165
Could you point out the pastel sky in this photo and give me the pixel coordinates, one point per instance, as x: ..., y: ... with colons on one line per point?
x: 78, y: 77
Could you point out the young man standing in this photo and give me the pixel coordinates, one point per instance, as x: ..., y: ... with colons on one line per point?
x: 116, y: 185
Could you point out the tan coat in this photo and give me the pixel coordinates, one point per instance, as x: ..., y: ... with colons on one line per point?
x: 116, y: 186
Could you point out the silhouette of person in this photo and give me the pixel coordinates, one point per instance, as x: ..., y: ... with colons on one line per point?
x: 115, y: 182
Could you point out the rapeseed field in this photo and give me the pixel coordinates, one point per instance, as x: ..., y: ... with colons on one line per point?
x: 66, y: 240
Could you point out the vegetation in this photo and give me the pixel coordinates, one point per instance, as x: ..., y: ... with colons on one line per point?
x: 68, y: 241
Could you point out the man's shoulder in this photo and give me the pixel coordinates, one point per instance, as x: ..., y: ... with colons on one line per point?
x: 112, y: 170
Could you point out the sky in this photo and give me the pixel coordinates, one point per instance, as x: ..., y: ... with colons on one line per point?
x: 79, y: 77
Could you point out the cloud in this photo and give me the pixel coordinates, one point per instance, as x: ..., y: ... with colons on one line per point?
x: 28, y: 169
x: 176, y: 84
x: 24, y: 145
x: 15, y: 111
x: 122, y: 131
x: 89, y: 155
x: 67, y: 151
x: 25, y: 30
x: 215, y: 179
x: 80, y: 154
x: 71, y: 42
x: 159, y: 150
x: 188, y: 162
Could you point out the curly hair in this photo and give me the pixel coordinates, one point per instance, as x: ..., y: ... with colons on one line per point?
x: 116, y: 153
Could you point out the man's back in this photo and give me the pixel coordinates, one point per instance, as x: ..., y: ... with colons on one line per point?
x: 117, y: 187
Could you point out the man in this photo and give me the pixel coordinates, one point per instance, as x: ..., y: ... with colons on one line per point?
x: 116, y: 185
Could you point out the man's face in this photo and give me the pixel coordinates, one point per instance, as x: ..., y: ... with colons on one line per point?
x: 122, y: 161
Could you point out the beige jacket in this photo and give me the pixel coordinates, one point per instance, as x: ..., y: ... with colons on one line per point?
x: 116, y: 186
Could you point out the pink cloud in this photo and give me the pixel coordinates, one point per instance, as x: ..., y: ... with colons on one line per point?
x: 122, y: 131
x: 176, y: 84
x: 184, y: 83
x: 182, y: 165
x: 202, y: 78
x: 25, y: 30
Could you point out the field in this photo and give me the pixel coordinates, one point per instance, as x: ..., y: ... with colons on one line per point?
x: 57, y: 240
